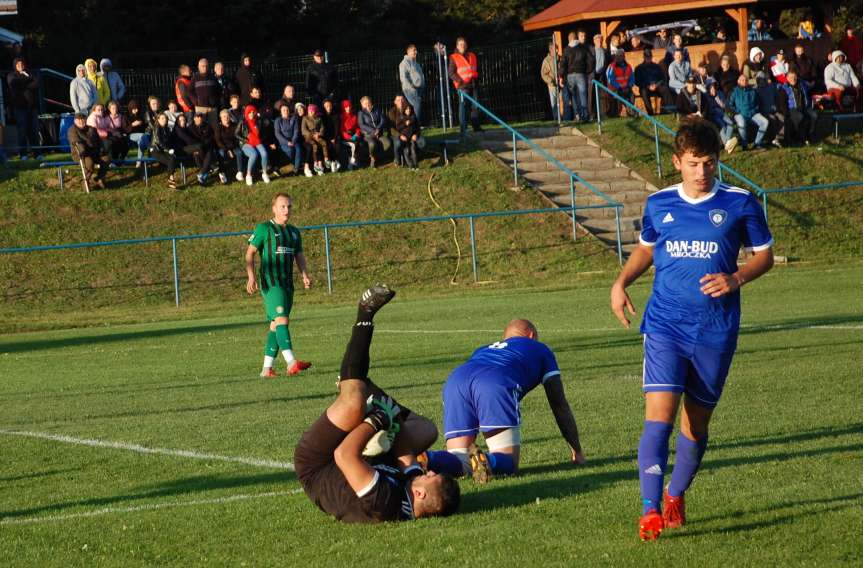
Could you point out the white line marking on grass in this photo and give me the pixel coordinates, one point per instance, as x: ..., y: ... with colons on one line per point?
x: 145, y: 450
x: 140, y: 508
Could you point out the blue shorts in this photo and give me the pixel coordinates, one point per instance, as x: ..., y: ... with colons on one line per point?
x: 478, y: 398
x: 673, y: 366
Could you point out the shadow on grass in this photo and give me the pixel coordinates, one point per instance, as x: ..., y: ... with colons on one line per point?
x: 36, y: 474
x: 790, y: 325
x: 186, y: 486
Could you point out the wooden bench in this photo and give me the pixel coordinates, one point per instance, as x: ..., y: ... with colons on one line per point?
x: 838, y: 117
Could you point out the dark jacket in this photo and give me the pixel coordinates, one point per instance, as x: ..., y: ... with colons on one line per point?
x: 140, y: 128
x: 727, y: 80
x: 225, y: 87
x: 331, y: 125
x: 793, y: 98
x: 203, y: 134
x: 601, y: 59
x: 277, y: 106
x: 805, y: 67
x: 371, y: 122
x: 407, y: 125
x: 312, y: 125
x: 393, y: 117
x: 767, y: 95
x: 287, y: 130
x: 23, y: 90
x: 686, y: 105
x: 160, y: 138
x: 647, y: 73
x: 248, y: 77
x: 84, y: 142
x: 577, y: 59
x: 205, y: 90
x: 321, y: 79
x: 224, y: 137
x: 183, y: 141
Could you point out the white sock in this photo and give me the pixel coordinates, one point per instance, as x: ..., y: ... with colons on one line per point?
x: 268, y: 362
x: 464, y: 458
x: 289, y: 356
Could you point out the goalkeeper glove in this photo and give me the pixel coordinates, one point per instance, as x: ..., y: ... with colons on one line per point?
x: 382, y: 413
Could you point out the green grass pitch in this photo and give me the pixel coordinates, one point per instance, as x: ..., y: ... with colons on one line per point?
x: 782, y: 482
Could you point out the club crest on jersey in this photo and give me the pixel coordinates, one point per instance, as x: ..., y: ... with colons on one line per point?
x: 717, y: 217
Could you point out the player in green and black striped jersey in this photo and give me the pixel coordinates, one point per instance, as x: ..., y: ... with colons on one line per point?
x: 279, y: 246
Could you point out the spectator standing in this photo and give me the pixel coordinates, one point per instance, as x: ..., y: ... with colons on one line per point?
x: 349, y: 131
x: 795, y: 104
x: 779, y: 66
x: 160, y: 147
x: 851, y: 46
x: 103, y: 90
x: 87, y: 149
x: 136, y: 127
x: 806, y: 29
x: 548, y: 73
x: 678, y: 72
x: 225, y: 85
x: 288, y: 99
x: 464, y: 74
x: 372, y: 124
x: 690, y: 100
x: 662, y: 41
x: 408, y: 132
x: 576, y: 66
x: 620, y: 78
x: 247, y: 77
x: 321, y: 79
x: 115, y: 82
x: 412, y: 80
x: 744, y: 104
x: 650, y: 80
x: 207, y: 95
x: 316, y: 144
x: 234, y: 110
x: 767, y: 107
x: 202, y: 133
x: 227, y: 147
x: 287, y: 131
x: 803, y: 65
x: 841, y: 81
x: 754, y: 66
x: 716, y: 113
x: 726, y: 75
x: 82, y: 92
x: 601, y: 58
x: 183, y: 90
x: 249, y: 135
x: 758, y: 31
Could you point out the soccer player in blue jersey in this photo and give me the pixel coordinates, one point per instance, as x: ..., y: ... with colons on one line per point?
x: 692, y: 233
x: 483, y: 395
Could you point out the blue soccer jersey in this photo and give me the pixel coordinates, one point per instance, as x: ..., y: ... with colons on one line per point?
x: 525, y: 361
x: 691, y: 238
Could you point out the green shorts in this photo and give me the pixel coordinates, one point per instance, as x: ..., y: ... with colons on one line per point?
x: 277, y: 302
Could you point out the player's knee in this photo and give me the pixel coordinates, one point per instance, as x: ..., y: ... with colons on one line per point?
x: 280, y: 321
x: 422, y: 431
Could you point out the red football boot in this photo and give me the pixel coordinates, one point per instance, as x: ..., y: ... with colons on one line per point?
x: 650, y: 526
x: 298, y: 366
x: 674, y: 511
x: 269, y: 374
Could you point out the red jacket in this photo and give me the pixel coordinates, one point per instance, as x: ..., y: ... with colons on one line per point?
x: 349, y: 126
x: 252, y: 124
x: 853, y: 48
x: 182, y: 90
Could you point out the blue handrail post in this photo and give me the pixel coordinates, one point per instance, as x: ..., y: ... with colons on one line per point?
x: 515, y: 161
x: 176, y: 273
x: 329, y: 259
x: 658, y: 158
x: 146, y: 176
x: 461, y: 125
x: 617, y: 227
x: 598, y: 107
x: 720, y: 171
x: 572, y: 204
x: 764, y: 200
x: 473, y: 250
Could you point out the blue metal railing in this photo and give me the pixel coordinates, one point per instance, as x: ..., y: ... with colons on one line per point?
x: 573, y: 177
x: 325, y: 228
x: 818, y: 187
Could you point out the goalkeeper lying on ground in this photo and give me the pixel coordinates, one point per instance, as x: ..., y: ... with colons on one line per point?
x: 329, y: 457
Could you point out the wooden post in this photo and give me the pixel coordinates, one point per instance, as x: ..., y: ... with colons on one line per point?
x: 743, y: 32
x: 558, y: 41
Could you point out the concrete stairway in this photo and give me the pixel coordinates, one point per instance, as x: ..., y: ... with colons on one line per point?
x: 599, y: 168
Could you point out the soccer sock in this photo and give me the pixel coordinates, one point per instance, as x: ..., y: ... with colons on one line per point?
x: 443, y: 461
x: 355, y: 362
x: 687, y: 461
x: 501, y: 464
x: 652, y: 461
x: 283, y: 338
x: 271, y: 349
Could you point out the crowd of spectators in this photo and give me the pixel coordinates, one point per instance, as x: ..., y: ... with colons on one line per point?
x: 776, y: 95
x: 226, y: 125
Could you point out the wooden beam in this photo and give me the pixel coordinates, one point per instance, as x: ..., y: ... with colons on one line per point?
x: 734, y: 14
x: 743, y: 36
x: 612, y: 26
x: 558, y: 42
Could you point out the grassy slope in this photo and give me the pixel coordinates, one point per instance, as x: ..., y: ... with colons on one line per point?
x: 135, y: 281
x: 780, y: 485
x: 807, y: 226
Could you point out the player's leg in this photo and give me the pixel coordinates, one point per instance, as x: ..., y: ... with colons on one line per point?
x: 279, y: 302
x: 461, y: 426
x: 497, y: 402
x: 504, y: 450
x: 271, y: 351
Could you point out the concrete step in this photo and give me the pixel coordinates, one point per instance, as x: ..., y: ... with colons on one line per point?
x: 605, y: 226
x: 560, y: 176
x: 560, y: 153
x: 549, y: 142
x: 610, y: 239
x: 531, y: 132
x: 576, y: 165
x: 621, y: 189
x: 628, y: 209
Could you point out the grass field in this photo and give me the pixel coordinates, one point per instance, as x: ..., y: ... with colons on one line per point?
x: 781, y: 483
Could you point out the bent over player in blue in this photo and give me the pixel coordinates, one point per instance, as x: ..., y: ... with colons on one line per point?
x: 692, y: 233
x: 483, y: 395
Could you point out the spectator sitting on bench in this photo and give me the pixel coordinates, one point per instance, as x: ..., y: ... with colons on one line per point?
x: 202, y: 133
x: 136, y: 126
x: 804, y: 66
x: 795, y: 104
x: 331, y: 122
x: 160, y: 147
x: 754, y: 66
x: 690, y: 100
x: 678, y: 72
x: 842, y: 83
x: 650, y: 80
x: 118, y: 126
x: 287, y: 131
x: 227, y: 148
x: 171, y: 114
x: 716, y: 113
x: 701, y: 77
x: 726, y: 75
x: 372, y: 124
x: 744, y: 104
x: 767, y: 107
x: 99, y: 121
x: 779, y: 66
x: 349, y: 132
x: 317, y: 149
x: 86, y: 148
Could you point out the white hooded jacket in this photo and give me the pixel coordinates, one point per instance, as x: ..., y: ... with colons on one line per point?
x: 839, y: 76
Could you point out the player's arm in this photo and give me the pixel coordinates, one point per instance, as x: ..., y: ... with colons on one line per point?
x: 563, y: 416
x: 349, y: 454
x: 719, y: 284
x: 639, y: 261
x: 300, y: 259
x: 251, y: 282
